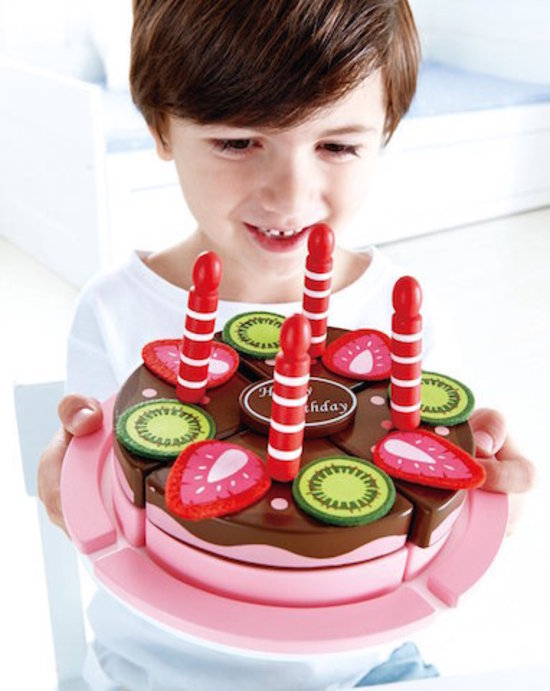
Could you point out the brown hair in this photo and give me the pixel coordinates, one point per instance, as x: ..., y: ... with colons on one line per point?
x: 268, y: 62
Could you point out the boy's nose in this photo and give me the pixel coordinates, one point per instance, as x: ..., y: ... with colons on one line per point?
x: 292, y: 192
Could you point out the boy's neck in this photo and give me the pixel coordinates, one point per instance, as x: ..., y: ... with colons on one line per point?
x: 242, y: 284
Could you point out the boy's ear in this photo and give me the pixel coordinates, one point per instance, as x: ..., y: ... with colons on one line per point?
x: 162, y: 144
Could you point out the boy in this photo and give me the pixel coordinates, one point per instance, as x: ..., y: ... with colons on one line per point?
x: 273, y: 113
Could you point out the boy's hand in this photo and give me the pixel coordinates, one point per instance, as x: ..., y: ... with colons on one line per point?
x: 506, y: 469
x: 79, y: 416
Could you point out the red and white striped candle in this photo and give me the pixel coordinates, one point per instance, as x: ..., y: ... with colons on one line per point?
x: 317, y: 285
x: 406, y: 354
x: 289, y: 399
x: 200, y: 325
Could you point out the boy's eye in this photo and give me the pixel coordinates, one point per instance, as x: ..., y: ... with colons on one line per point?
x: 340, y: 150
x: 233, y: 145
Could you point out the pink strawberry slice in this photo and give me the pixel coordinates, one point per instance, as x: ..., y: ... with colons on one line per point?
x: 213, y: 478
x: 162, y: 358
x: 224, y: 362
x: 361, y: 354
x: 423, y: 457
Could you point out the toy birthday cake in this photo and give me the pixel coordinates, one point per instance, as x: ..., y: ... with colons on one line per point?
x: 287, y: 462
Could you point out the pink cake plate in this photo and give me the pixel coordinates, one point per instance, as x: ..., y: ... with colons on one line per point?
x: 131, y: 574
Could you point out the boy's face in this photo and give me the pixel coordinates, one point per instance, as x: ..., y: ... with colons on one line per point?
x: 254, y: 192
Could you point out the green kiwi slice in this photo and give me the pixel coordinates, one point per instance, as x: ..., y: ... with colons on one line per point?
x: 254, y: 333
x: 343, y: 490
x: 444, y: 400
x: 162, y: 428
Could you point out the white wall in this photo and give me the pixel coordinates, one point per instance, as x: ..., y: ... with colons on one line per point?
x: 87, y: 39
x: 504, y: 38
x: 53, y: 35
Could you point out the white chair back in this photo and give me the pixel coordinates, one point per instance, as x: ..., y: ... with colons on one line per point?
x: 37, y: 422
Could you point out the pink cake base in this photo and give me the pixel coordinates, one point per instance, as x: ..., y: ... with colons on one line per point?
x: 135, y: 576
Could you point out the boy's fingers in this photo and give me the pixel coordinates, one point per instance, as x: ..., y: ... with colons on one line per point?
x: 509, y: 475
x: 489, y: 429
x: 505, y: 468
x: 80, y: 415
x: 49, y: 475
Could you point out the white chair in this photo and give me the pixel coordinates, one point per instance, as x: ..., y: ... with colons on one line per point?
x: 35, y: 409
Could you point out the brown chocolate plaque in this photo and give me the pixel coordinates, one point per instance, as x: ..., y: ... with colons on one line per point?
x: 330, y: 407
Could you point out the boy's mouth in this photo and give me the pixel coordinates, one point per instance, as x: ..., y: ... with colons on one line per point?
x: 277, y: 239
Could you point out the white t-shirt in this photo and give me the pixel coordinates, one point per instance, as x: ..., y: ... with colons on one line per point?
x: 117, y: 314
x: 121, y: 310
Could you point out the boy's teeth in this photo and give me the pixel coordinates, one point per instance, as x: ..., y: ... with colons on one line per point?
x: 275, y: 233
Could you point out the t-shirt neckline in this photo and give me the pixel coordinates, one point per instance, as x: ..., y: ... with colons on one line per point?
x: 170, y: 291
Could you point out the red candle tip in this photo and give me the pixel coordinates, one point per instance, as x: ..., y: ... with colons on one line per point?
x: 407, y: 296
x: 296, y: 336
x: 207, y: 272
x: 321, y: 241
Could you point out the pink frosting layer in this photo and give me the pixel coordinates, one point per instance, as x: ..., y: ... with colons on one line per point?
x: 420, y: 557
x: 268, y: 554
x: 273, y: 586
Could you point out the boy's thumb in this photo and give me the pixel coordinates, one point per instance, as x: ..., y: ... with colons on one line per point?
x: 489, y: 429
x: 80, y: 415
